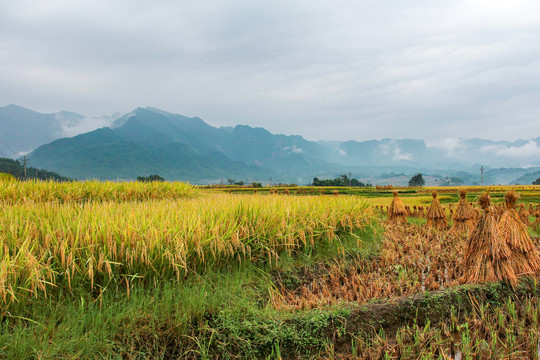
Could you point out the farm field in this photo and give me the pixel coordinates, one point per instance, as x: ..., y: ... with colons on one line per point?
x: 167, y: 270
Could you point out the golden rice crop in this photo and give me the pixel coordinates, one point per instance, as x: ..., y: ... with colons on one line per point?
x: 16, y: 192
x: 99, y: 243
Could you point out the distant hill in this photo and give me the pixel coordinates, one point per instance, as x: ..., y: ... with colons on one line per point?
x: 22, y: 130
x: 528, y: 178
x: 134, y: 150
x: 10, y: 166
x: 149, y: 141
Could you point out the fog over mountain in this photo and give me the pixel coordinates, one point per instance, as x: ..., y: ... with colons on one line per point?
x: 150, y: 140
x: 22, y: 130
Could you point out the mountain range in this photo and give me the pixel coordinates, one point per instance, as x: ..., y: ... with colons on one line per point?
x: 152, y: 141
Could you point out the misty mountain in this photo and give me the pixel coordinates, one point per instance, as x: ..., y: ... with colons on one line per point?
x: 528, y: 178
x: 149, y: 140
x: 387, y: 152
x: 22, y: 130
x: 108, y: 154
x: 286, y: 158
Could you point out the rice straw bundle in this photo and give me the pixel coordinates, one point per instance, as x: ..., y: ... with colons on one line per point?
x: 397, y: 212
x: 464, y: 219
x: 536, y: 223
x: 499, y: 211
x: 524, y: 215
x: 436, y: 216
x: 514, y: 232
x: 487, y: 256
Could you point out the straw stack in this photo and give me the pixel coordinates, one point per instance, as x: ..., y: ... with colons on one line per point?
x: 536, y: 223
x: 487, y: 258
x: 514, y: 232
x: 524, y: 215
x: 436, y: 216
x: 397, y: 213
x: 499, y: 211
x: 464, y: 217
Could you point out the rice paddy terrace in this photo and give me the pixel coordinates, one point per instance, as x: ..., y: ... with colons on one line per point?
x: 168, y: 270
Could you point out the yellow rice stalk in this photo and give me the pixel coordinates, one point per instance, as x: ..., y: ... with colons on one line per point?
x: 98, y: 242
x: 31, y: 192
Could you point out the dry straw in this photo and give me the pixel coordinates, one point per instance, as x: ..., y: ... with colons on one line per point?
x: 524, y: 215
x: 514, y: 232
x: 487, y: 258
x: 396, y: 212
x: 465, y: 216
x: 436, y: 216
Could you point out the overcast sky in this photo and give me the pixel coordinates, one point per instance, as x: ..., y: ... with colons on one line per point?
x: 330, y: 70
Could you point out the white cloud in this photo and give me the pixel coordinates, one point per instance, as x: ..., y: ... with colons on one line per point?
x: 416, y: 69
x: 392, y: 149
x: 72, y: 124
x: 530, y: 149
x: 398, y: 155
x: 342, y: 152
x: 293, y: 149
x: 452, y: 146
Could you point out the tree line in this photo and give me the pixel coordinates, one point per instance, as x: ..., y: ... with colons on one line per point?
x: 341, y: 180
x: 15, y: 168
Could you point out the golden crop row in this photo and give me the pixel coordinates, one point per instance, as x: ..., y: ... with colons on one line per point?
x: 14, y: 192
x: 95, y: 244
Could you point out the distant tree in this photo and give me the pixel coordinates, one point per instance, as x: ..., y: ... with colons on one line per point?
x: 536, y: 182
x: 230, y: 181
x: 13, y: 167
x: 452, y: 181
x: 342, y: 180
x: 417, y: 180
x: 150, y: 178
x: 256, y: 185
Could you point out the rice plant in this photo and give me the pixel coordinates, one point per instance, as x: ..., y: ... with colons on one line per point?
x: 101, y: 243
x: 35, y: 191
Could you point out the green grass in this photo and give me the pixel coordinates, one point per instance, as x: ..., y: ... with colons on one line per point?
x: 222, y: 312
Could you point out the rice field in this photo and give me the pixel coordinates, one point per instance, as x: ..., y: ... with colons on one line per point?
x: 35, y: 191
x: 99, y: 242
x: 176, y: 271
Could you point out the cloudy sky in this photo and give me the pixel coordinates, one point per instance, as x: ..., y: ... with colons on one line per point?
x: 332, y: 70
